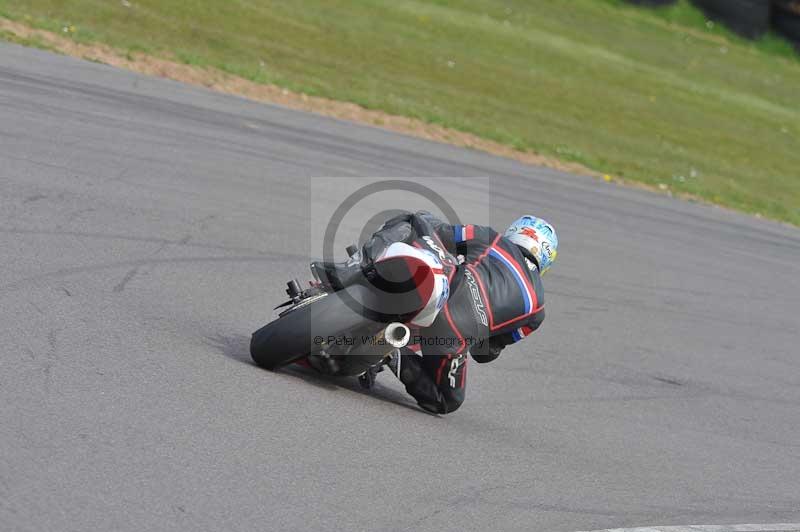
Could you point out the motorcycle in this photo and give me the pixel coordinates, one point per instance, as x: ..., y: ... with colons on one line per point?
x: 353, y: 330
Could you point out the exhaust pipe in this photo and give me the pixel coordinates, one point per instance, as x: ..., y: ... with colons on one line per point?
x: 397, y: 335
x: 393, y: 336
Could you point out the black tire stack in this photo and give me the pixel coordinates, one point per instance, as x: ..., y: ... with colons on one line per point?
x: 748, y: 18
x: 786, y: 20
x: 652, y: 3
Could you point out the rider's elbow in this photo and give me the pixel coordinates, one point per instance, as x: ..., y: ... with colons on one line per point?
x: 537, y: 319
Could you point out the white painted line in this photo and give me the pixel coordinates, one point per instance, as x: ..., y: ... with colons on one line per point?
x: 775, y: 527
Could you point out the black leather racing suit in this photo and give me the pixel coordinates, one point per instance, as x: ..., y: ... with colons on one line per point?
x: 496, y: 299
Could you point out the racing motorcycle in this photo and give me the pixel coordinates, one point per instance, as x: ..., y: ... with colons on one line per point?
x: 352, y: 330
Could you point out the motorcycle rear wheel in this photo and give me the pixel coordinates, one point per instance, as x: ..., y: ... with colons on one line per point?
x: 301, y: 332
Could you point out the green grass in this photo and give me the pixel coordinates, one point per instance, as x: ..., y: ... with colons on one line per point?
x: 654, y: 96
x: 25, y: 41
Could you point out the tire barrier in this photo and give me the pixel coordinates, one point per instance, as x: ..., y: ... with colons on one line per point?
x: 786, y: 20
x: 652, y: 3
x: 748, y: 18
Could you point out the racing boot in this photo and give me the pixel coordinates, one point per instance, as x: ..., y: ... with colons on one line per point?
x: 337, y: 275
x: 393, y: 362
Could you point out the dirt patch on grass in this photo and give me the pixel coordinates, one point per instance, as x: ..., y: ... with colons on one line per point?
x: 223, y: 82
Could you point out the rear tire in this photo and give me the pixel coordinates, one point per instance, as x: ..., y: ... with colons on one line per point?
x: 296, y: 334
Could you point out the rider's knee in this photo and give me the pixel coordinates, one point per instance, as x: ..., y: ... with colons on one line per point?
x: 446, y: 405
x: 453, y: 404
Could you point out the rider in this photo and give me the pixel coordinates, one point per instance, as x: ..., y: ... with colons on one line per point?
x: 496, y: 297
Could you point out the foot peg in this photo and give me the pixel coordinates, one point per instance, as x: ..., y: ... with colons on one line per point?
x: 367, y: 379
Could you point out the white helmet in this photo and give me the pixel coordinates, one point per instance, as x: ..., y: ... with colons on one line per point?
x: 538, y: 237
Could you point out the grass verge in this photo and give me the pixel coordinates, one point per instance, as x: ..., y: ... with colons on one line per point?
x: 31, y: 42
x: 655, y: 97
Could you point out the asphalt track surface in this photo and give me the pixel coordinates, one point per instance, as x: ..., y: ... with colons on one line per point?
x: 146, y: 228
